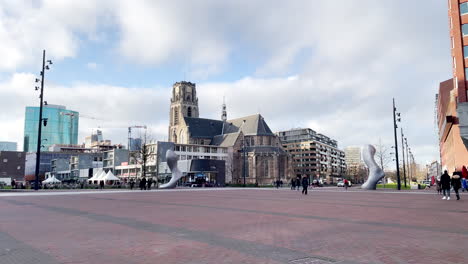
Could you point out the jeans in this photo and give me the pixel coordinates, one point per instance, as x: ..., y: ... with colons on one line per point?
x: 304, y: 189
x: 448, y: 192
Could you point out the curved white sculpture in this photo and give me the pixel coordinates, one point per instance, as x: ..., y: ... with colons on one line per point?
x: 375, y: 172
x: 171, y: 159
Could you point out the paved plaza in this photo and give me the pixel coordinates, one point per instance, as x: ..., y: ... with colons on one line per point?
x: 215, y: 226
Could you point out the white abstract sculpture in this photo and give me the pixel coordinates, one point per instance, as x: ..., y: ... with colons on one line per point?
x: 171, y: 159
x: 375, y: 172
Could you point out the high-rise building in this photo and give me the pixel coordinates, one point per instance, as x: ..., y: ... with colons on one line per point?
x: 314, y: 155
x: 452, y: 100
x: 8, y: 146
x: 353, y: 155
x: 61, y: 127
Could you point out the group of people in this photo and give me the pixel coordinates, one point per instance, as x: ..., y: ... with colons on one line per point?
x: 144, y: 184
x: 296, y: 183
x: 445, y: 183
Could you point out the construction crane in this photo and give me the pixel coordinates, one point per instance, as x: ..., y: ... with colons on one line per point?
x: 130, y: 134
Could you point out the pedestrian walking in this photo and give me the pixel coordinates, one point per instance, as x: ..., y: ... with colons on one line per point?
x: 143, y: 184
x: 298, y: 182
x: 150, y: 182
x: 464, y: 185
x: 439, y: 186
x: 132, y: 183
x: 346, y: 184
x: 456, y: 183
x: 293, y: 184
x: 13, y: 184
x: 101, y: 185
x: 277, y: 183
x: 305, y: 184
x: 445, y: 183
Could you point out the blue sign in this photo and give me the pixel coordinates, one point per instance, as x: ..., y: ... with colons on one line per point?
x: 200, y: 175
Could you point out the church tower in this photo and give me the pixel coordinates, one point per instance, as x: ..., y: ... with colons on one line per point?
x: 184, y: 103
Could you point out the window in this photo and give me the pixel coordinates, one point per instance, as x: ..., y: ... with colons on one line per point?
x: 18, y: 168
x: 5, y: 160
x: 465, y: 29
x: 466, y: 73
x: 463, y: 8
x: 465, y: 51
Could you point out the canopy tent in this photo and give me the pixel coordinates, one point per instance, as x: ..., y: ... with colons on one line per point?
x: 51, y: 180
x: 97, y: 175
x: 109, y: 177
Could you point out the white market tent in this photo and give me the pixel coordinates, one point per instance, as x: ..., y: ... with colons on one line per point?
x: 96, y: 176
x: 51, y: 180
x: 109, y: 177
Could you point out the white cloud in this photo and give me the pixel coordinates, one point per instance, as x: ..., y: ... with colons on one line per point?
x: 331, y: 65
x: 92, y: 65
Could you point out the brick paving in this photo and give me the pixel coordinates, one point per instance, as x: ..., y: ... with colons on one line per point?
x: 329, y: 225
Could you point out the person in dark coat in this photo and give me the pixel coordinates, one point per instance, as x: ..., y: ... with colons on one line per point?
x: 456, y: 183
x: 298, y: 183
x: 439, y: 187
x: 143, y: 184
x: 101, y: 185
x: 445, y: 182
x: 150, y: 182
x: 305, y: 184
x: 293, y: 184
x: 13, y: 184
x: 132, y: 183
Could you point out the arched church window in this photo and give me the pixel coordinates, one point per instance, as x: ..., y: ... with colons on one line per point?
x: 189, y: 98
x: 189, y: 111
x: 176, y: 116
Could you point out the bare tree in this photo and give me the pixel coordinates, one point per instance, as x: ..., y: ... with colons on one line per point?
x: 383, y: 155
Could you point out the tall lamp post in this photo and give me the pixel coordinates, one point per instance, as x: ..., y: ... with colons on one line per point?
x: 395, y: 114
x: 41, y: 120
x: 244, y: 169
x: 403, y: 152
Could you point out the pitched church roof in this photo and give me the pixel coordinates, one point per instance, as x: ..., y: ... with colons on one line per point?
x: 203, y: 128
x: 225, y: 140
x: 210, y: 128
x: 254, y: 125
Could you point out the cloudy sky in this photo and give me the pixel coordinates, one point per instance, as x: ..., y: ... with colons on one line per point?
x: 333, y: 66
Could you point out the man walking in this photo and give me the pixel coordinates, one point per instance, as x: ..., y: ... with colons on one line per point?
x: 101, y: 185
x: 346, y: 184
x: 445, y: 182
x: 456, y: 183
x: 298, y: 182
x: 150, y: 182
x: 305, y: 184
x: 293, y: 184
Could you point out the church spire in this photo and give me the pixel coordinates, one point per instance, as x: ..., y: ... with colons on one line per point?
x: 224, y: 113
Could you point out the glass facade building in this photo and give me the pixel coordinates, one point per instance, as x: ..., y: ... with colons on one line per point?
x: 8, y: 146
x: 61, y: 128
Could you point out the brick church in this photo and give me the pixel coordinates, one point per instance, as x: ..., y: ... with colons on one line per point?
x: 265, y: 160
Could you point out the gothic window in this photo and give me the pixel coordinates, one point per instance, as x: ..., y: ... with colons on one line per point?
x: 189, y: 98
x: 189, y: 111
x: 266, y: 169
x: 176, y: 116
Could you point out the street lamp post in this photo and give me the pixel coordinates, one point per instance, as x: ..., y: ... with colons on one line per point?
x: 244, y: 169
x: 41, y: 120
x: 396, y: 142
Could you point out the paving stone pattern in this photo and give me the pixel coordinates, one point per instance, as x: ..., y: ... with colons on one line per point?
x: 233, y: 226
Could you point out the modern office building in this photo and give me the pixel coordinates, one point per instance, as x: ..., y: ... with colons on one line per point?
x: 12, y: 165
x: 8, y: 146
x: 452, y: 100
x: 61, y: 127
x: 113, y: 158
x: 357, y: 170
x: 314, y: 155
